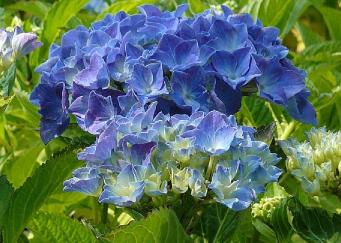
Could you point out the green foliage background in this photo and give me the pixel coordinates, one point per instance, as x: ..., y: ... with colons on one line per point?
x: 32, y: 204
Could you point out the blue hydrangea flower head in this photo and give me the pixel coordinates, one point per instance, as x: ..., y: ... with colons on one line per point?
x: 159, y: 92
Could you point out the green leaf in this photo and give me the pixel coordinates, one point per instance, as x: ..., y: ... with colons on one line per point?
x: 327, y: 52
x: 57, y: 17
x: 7, y: 80
x: 255, y: 112
x: 52, y: 227
x: 280, y: 13
x: 4, y: 102
x: 266, y: 133
x: 245, y: 230
x: 6, y: 193
x: 312, y: 224
x: 37, y: 8
x: 22, y: 166
x: 332, y: 18
x: 32, y: 194
x: 161, y: 226
x: 309, y: 37
x: 280, y: 222
x: 125, y: 5
x: 197, y: 6
x: 264, y: 230
x: 217, y: 223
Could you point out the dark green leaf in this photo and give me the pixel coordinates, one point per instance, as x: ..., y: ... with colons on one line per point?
x: 30, y: 197
x: 6, y: 193
x: 217, y: 223
x: 313, y: 224
x: 280, y: 222
x: 245, y: 230
x: 266, y: 133
x: 51, y: 227
x: 161, y: 226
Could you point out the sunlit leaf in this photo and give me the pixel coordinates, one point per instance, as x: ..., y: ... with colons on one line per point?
x: 160, y: 226
x: 31, y: 195
x: 51, y: 227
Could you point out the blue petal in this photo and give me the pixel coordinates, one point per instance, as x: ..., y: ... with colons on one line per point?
x: 301, y: 109
x: 99, y: 113
x: 85, y: 180
x: 94, y: 76
x: 228, y: 37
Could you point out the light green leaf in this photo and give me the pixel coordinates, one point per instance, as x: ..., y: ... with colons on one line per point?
x: 275, y: 190
x: 328, y: 52
x: 22, y: 166
x: 58, y: 16
x: 161, y: 226
x: 30, y: 197
x: 125, y: 5
x: 37, y: 8
x: 280, y: 13
x: 4, y: 102
x: 7, y: 80
x: 197, y: 6
x: 332, y: 18
x: 309, y: 37
x: 52, y: 227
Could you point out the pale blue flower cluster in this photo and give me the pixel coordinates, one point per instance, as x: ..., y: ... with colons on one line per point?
x: 139, y: 152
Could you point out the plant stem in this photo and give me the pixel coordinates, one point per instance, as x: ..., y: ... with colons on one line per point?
x: 288, y: 130
x: 96, y: 210
x: 283, y: 178
x: 210, y: 167
x: 104, y: 216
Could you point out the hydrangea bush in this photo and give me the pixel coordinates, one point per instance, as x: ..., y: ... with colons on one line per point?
x: 159, y: 90
x: 170, y: 126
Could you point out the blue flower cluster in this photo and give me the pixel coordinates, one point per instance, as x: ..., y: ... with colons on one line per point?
x: 138, y: 152
x: 158, y: 91
x: 186, y: 64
